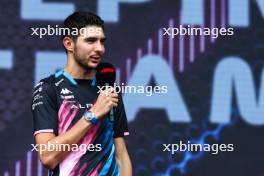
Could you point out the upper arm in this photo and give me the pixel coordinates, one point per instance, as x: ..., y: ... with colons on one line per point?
x: 44, y: 109
x: 120, y: 123
x: 43, y: 138
x: 44, y: 113
x: 120, y: 130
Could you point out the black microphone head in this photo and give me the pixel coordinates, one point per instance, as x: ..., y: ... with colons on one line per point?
x: 105, y: 74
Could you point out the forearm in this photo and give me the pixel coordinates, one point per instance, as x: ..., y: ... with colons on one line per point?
x: 51, y: 158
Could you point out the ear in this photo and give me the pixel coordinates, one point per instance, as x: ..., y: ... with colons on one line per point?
x: 68, y: 44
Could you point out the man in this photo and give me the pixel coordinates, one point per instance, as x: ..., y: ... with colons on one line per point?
x: 68, y: 111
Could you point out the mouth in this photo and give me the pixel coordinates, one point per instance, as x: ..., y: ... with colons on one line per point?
x: 95, y: 59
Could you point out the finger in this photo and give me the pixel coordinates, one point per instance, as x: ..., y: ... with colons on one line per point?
x: 109, y: 89
x: 114, y: 104
x: 114, y: 100
x: 113, y: 95
x: 106, y: 94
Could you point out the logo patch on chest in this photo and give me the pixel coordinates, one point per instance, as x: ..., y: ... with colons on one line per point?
x: 66, y: 94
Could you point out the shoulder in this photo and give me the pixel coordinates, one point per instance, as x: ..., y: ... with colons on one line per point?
x: 45, y: 85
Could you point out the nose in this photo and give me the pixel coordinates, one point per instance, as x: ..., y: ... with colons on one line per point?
x: 99, y: 47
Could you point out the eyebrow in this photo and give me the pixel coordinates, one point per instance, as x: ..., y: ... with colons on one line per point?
x: 94, y: 38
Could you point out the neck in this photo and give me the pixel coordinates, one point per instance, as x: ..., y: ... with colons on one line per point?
x: 79, y: 72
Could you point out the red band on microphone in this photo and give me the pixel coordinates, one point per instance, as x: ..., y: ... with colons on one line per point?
x: 107, y: 70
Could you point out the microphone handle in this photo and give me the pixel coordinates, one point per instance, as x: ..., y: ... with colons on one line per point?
x: 112, y: 117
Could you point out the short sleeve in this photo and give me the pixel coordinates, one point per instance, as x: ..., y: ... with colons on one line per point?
x: 120, y: 123
x: 44, y: 108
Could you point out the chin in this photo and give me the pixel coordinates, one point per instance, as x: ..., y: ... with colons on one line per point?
x: 93, y: 65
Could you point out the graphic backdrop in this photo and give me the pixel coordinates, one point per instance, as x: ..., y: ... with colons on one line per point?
x: 215, y: 86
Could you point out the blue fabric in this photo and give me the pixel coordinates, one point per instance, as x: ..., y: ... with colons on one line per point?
x: 107, y: 165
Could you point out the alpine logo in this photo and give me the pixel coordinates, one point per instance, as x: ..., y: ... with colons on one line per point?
x: 79, y: 106
x: 65, y: 91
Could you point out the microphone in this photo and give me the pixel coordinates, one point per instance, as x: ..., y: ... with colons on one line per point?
x: 106, y: 76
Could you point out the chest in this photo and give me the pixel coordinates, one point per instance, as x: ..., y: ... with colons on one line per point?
x: 73, y: 101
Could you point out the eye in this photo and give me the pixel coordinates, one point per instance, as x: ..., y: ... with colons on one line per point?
x: 103, y: 40
x: 90, y: 40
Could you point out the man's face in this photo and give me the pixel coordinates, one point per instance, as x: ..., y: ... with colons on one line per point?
x: 89, y: 47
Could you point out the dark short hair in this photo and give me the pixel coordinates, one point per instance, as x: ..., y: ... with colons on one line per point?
x: 79, y: 20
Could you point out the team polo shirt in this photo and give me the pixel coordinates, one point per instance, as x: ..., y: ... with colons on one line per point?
x: 59, y: 101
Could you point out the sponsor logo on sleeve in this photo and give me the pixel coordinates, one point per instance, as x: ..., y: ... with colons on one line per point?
x: 37, y: 90
x: 37, y: 97
x: 36, y: 104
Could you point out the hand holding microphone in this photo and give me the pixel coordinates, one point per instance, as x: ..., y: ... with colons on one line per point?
x: 105, y: 102
x: 107, y: 99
